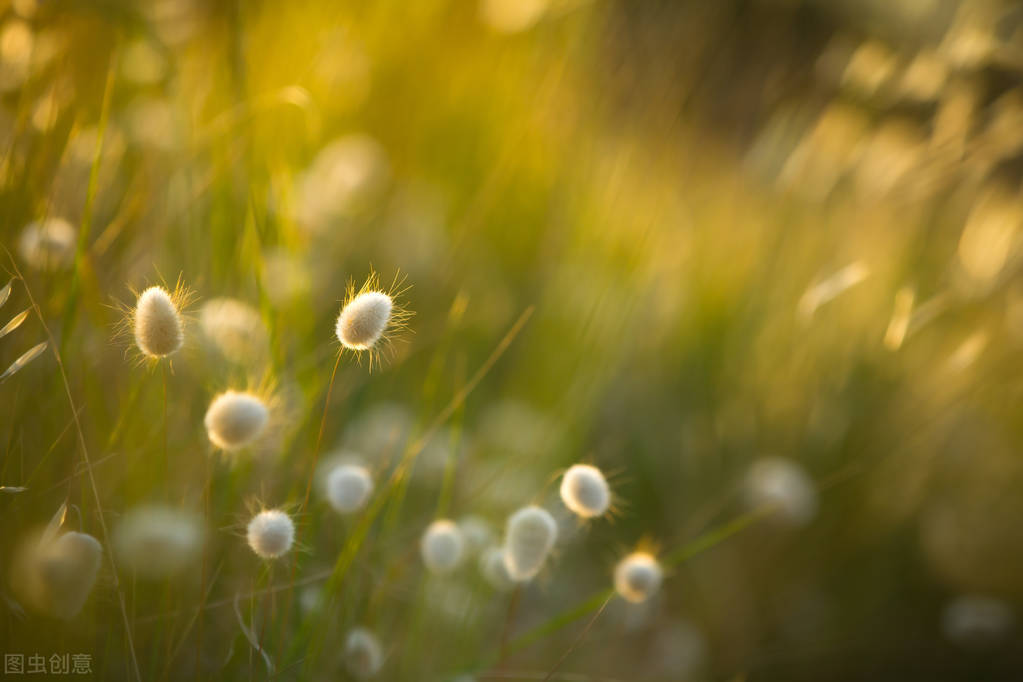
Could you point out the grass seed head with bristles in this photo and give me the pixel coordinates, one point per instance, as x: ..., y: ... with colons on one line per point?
x: 157, y: 541
x: 585, y: 491
x: 236, y: 419
x: 782, y: 484
x: 364, y: 657
x: 638, y: 577
x: 349, y: 487
x: 530, y: 535
x: 442, y: 547
x: 158, y: 328
x: 370, y: 317
x: 55, y: 576
x: 235, y: 329
x: 49, y: 244
x: 156, y: 322
x: 270, y: 533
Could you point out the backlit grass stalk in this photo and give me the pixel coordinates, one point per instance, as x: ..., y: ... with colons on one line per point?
x: 88, y: 465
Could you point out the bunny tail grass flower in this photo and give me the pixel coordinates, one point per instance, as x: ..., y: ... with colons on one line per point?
x: 442, y: 547
x: 157, y: 541
x: 156, y: 323
x: 371, y: 317
x: 349, y: 487
x: 529, y: 537
x: 271, y: 533
x: 585, y: 491
x: 364, y: 657
x: 236, y: 419
x: 55, y: 576
x: 637, y: 577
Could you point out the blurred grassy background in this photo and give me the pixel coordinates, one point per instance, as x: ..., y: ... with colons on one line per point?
x: 747, y: 228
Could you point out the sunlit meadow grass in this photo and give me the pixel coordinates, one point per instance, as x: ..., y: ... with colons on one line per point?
x: 758, y: 260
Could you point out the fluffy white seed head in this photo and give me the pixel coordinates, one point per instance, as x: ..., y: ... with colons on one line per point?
x: 235, y: 419
x: 235, y: 329
x: 442, y: 547
x: 364, y: 657
x: 976, y: 620
x: 48, y: 244
x: 155, y: 542
x: 55, y: 577
x: 493, y: 569
x: 584, y: 490
x: 349, y: 487
x: 159, y: 331
x: 637, y: 577
x: 271, y: 533
x: 364, y: 319
x: 781, y: 483
x: 529, y: 537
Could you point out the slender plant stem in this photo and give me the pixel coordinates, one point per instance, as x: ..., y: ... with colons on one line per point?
x: 88, y: 467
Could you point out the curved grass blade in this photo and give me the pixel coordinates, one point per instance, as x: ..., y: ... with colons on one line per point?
x: 26, y: 358
x: 14, y: 323
x: 5, y: 293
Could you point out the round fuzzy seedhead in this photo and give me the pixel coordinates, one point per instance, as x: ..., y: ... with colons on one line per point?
x: 271, y: 533
x: 158, y: 328
x: 442, y: 547
x: 529, y: 537
x: 584, y: 490
x: 637, y: 577
x: 235, y: 419
x: 364, y: 319
x: 48, y: 244
x: 363, y: 654
x: 781, y: 483
x: 235, y: 329
x: 494, y: 570
x: 156, y: 542
x: 349, y: 487
x: 58, y: 575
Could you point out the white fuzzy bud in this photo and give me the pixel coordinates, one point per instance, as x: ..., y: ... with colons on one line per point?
x: 158, y: 541
x: 364, y: 319
x: 271, y: 533
x: 55, y: 577
x: 584, y: 490
x: 442, y: 547
x: 637, y: 577
x: 349, y: 487
x: 159, y: 331
x: 364, y: 656
x: 784, y: 485
x: 48, y: 244
x: 235, y: 419
x: 529, y: 537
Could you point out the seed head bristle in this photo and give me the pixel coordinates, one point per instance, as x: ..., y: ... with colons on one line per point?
x: 371, y: 317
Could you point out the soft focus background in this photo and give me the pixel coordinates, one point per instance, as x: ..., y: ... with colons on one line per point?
x: 748, y: 228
